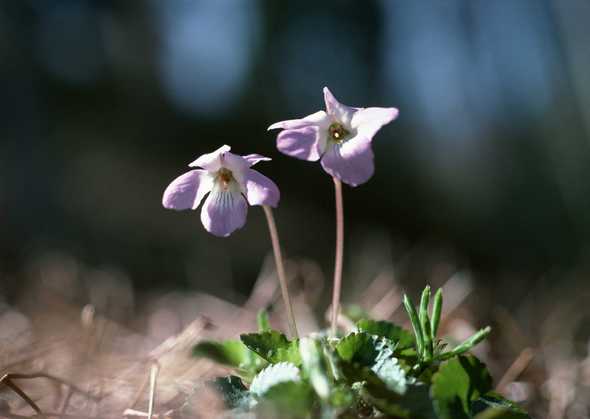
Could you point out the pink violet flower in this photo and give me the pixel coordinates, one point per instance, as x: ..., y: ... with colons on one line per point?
x: 231, y: 185
x: 340, y: 136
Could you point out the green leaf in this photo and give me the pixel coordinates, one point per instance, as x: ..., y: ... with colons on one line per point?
x: 273, y: 375
x: 360, y: 350
x: 401, y: 337
x: 341, y: 396
x: 289, y: 354
x: 232, y: 353
x: 425, y: 325
x: 411, y: 310
x: 289, y: 399
x: 499, y: 413
x: 436, y: 312
x: 417, y: 400
x: 428, y: 344
x: 262, y: 320
x: 357, y: 374
x: 424, y: 301
x: 235, y: 394
x: 414, y: 404
x: 468, y: 344
x: 457, y: 384
x: 314, y: 365
x: 494, y: 405
x: 357, y: 348
x: 388, y: 369
x: 273, y: 346
x: 409, y: 355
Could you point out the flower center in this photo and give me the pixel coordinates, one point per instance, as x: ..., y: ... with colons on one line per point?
x: 337, y: 132
x: 225, y: 176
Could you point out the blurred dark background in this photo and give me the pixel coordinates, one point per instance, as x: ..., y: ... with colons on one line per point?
x: 103, y: 103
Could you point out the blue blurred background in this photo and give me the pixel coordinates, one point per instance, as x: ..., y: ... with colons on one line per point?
x: 103, y: 103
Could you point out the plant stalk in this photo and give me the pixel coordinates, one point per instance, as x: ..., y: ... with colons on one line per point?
x: 276, y: 247
x: 339, y: 253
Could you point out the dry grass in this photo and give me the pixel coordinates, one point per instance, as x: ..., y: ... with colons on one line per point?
x: 81, y: 344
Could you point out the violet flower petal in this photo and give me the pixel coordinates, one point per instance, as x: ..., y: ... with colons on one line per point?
x: 252, y: 159
x: 224, y: 211
x: 211, y: 161
x: 319, y: 118
x: 368, y: 121
x: 302, y: 143
x: 261, y: 190
x: 340, y: 112
x: 351, y: 161
x: 187, y: 190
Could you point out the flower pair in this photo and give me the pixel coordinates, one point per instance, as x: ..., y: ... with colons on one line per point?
x: 340, y: 137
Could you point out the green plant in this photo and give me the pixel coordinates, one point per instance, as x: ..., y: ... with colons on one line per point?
x: 378, y: 370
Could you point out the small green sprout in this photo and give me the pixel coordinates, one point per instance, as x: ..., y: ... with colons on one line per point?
x: 426, y: 327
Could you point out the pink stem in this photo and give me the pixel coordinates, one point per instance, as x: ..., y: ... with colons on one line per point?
x: 339, y: 254
x: 274, y: 237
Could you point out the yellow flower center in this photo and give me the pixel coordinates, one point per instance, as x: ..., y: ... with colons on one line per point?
x: 337, y: 132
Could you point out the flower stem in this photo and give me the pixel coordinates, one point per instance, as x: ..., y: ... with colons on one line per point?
x: 339, y: 253
x: 276, y: 247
